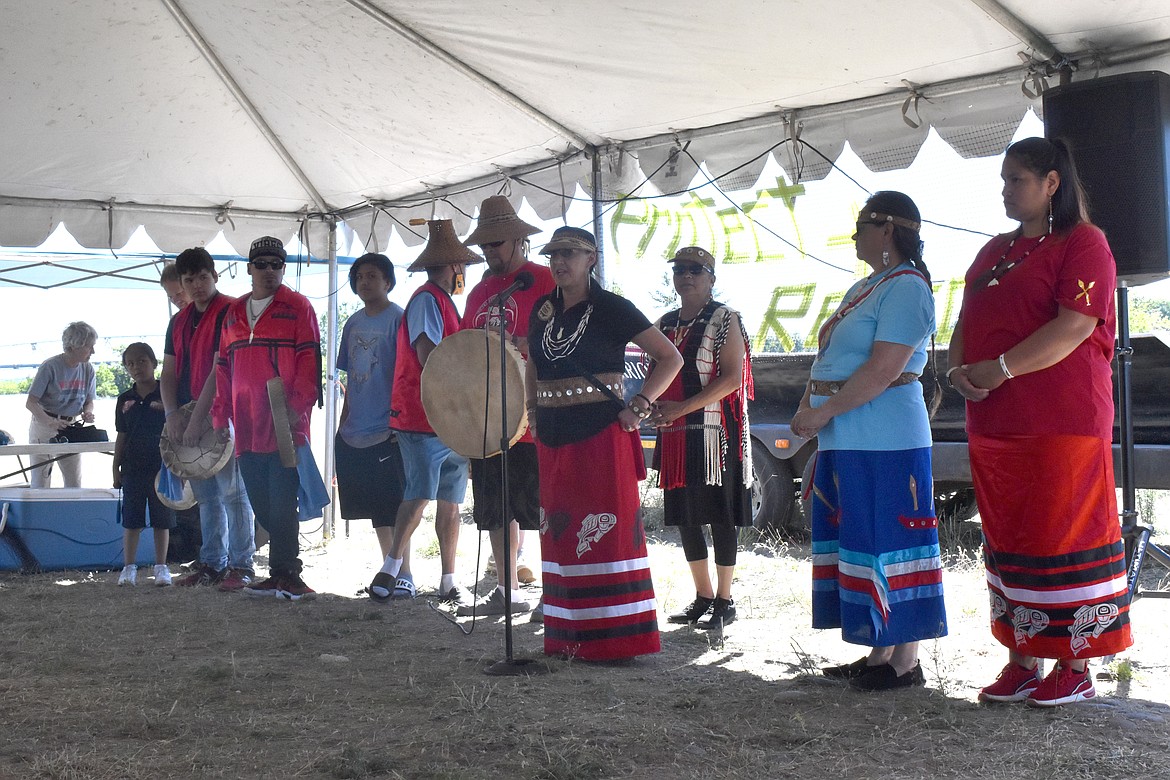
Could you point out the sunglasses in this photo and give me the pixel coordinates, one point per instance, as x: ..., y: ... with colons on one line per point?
x: 492, y: 245
x: 693, y: 270
x: 264, y: 265
x: 857, y: 226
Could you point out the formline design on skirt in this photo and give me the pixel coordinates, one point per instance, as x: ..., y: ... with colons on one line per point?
x: 598, y: 595
x: 1073, y: 604
x: 1055, y: 560
x: 592, y: 529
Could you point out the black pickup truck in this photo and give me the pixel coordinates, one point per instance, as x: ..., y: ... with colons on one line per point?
x: 781, y: 458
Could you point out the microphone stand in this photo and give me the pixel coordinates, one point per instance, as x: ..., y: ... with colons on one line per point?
x: 509, y: 667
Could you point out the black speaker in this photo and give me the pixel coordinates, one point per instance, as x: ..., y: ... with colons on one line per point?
x: 1118, y: 128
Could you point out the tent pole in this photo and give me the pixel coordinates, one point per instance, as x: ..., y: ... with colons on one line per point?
x: 598, y: 223
x: 327, y: 528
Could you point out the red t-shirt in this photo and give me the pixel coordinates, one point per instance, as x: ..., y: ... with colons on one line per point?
x: 1076, y: 271
x: 483, y: 312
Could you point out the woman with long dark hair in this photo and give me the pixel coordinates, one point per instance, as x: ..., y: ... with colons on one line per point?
x: 876, y: 569
x: 1031, y: 354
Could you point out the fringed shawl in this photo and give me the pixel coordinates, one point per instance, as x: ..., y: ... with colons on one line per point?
x: 672, y: 441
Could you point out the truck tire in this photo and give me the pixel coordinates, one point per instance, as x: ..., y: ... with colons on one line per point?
x: 956, y: 506
x: 774, y: 504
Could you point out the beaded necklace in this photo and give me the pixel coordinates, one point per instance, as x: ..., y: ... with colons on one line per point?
x: 683, y: 329
x: 561, y: 346
x: 1003, y: 266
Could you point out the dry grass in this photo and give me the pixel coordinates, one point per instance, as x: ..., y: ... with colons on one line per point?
x: 104, y: 683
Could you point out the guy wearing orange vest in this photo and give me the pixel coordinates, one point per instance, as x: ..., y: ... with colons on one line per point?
x: 433, y: 471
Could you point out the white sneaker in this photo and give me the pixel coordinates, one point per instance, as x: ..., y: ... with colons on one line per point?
x: 129, y: 575
x: 162, y: 575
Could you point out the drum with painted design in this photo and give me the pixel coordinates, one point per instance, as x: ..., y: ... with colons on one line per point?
x: 461, y: 393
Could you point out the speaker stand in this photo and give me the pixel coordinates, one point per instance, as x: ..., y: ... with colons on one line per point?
x: 1136, y: 536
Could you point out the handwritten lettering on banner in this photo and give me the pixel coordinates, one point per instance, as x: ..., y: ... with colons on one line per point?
x: 788, y: 319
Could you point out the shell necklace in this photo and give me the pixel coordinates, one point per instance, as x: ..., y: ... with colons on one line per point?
x: 560, y: 345
x: 1003, y: 266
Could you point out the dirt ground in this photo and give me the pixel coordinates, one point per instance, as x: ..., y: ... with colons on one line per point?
x: 106, y: 682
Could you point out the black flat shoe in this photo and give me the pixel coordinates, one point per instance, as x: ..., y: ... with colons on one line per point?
x: 695, y: 610
x: 722, y: 614
x: 884, y: 678
x: 848, y: 671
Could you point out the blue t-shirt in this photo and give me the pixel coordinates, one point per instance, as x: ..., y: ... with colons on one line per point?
x: 63, y: 390
x: 424, y: 318
x: 900, y: 311
x: 368, y: 350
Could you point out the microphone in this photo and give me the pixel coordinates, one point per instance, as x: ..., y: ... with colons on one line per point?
x: 524, y: 280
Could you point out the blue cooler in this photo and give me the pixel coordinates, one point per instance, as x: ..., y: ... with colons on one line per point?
x: 66, y: 528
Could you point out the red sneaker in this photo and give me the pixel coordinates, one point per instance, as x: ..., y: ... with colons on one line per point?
x: 1015, y: 683
x: 268, y: 587
x: 203, y: 575
x: 293, y: 588
x: 235, y: 579
x: 1063, y: 685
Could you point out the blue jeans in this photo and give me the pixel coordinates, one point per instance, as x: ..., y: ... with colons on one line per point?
x: 272, y: 490
x: 225, y: 518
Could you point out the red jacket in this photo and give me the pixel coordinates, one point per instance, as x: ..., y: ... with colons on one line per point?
x: 194, y: 348
x: 286, y: 342
x: 406, y: 410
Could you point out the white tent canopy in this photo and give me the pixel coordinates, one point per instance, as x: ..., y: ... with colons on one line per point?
x: 249, y: 116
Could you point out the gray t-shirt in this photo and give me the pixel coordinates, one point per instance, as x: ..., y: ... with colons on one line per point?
x: 63, y: 390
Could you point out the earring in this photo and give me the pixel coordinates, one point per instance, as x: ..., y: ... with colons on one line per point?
x: 886, y: 257
x: 1050, y: 216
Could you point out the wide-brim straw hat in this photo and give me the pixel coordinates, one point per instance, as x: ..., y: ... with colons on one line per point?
x: 443, y: 248
x: 498, y: 222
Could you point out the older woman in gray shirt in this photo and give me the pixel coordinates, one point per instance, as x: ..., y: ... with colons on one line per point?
x: 64, y: 389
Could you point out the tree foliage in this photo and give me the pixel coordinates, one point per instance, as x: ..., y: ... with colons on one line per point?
x: 112, y: 379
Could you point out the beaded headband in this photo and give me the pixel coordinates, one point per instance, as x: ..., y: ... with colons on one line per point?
x: 877, y: 216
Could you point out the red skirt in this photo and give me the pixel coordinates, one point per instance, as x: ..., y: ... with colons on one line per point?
x: 1052, y: 544
x: 598, y: 597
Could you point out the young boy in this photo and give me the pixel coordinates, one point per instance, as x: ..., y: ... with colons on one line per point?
x: 139, y: 418
x: 369, y: 465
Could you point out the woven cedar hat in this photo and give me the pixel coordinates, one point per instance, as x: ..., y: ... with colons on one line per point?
x: 498, y: 222
x: 443, y: 248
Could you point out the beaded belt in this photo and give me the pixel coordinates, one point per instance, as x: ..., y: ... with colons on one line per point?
x: 576, y: 390
x: 832, y: 386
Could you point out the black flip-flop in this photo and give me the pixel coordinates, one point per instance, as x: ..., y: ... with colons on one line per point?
x: 384, y: 581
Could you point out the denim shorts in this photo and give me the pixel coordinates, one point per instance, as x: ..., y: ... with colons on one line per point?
x: 433, y: 470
